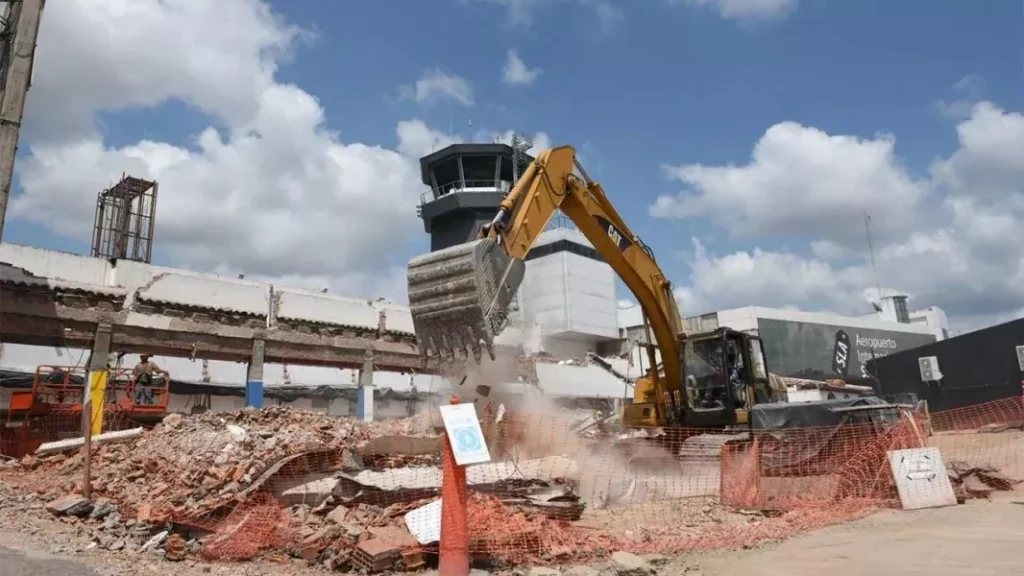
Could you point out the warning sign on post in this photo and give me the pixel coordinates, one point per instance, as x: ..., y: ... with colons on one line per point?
x: 465, y: 435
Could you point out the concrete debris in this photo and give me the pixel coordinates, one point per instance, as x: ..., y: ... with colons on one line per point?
x: 627, y: 564
x: 77, y: 443
x: 978, y: 481
x: 580, y: 571
x: 70, y: 506
x: 102, y: 508
x: 155, y: 541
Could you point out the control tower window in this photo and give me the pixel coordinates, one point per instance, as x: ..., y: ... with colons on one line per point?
x: 479, y: 170
x: 446, y: 174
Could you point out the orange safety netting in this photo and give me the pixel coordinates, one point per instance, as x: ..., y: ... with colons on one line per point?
x: 339, y: 492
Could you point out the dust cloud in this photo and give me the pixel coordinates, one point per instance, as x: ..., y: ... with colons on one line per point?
x: 521, y: 423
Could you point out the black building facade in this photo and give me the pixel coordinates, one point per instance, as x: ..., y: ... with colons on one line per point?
x: 975, y: 368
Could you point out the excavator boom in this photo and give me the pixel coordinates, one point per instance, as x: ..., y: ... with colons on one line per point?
x: 459, y: 296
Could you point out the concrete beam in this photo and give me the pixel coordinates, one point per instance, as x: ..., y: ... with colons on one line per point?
x: 36, y: 318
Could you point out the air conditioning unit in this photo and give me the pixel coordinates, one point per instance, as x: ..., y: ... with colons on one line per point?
x: 1020, y: 357
x: 929, y: 366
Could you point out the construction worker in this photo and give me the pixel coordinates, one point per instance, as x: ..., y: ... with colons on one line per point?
x: 143, y: 374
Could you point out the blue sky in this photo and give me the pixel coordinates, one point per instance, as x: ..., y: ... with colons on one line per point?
x: 661, y: 83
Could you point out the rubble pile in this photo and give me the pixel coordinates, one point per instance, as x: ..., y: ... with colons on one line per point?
x: 978, y: 481
x: 199, y: 463
x: 330, y: 491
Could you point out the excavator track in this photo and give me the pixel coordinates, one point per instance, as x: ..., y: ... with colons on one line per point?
x: 459, y: 297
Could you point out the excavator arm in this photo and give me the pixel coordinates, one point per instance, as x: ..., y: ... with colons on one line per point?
x: 459, y: 296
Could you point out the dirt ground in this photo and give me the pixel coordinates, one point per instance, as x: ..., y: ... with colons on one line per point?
x: 976, y: 539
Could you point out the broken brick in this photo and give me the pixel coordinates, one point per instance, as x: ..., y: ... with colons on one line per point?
x: 375, y: 555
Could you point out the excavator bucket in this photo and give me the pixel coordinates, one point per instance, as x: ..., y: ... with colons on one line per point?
x: 459, y: 297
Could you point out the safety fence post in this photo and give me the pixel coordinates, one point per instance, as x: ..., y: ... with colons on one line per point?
x: 454, y: 545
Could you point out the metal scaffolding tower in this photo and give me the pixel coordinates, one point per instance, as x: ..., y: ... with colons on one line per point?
x: 125, y: 220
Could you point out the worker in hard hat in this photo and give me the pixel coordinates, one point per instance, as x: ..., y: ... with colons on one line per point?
x: 143, y: 374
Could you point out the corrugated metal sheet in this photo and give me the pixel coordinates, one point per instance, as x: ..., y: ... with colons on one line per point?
x: 206, y: 292
x: 12, y: 275
x: 568, y: 381
x: 327, y: 309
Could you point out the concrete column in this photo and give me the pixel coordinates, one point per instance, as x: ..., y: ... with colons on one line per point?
x: 96, y: 385
x: 254, y: 376
x: 364, y: 398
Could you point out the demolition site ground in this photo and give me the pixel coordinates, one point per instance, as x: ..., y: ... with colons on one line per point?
x: 980, y: 538
x: 280, y: 491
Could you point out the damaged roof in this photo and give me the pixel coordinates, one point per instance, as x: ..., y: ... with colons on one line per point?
x: 206, y: 292
x: 326, y: 309
x: 15, y: 276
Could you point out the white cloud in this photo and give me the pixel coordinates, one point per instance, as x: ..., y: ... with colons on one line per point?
x: 437, y: 86
x: 268, y: 190
x: 964, y: 251
x: 828, y: 250
x: 541, y: 141
x: 800, y: 178
x: 968, y: 91
x: 516, y: 73
x: 746, y: 10
x: 758, y: 276
x: 170, y: 49
x: 416, y: 139
x: 521, y: 12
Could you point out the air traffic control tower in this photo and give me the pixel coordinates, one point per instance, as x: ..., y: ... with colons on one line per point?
x: 467, y: 184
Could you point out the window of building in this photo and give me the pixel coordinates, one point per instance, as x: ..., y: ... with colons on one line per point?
x: 564, y: 246
x: 902, y: 314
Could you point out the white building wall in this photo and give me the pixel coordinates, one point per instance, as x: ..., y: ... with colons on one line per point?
x: 934, y: 318
x: 542, y: 295
x: 570, y: 298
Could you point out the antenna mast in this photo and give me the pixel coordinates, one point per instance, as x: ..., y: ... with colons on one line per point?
x: 871, y: 253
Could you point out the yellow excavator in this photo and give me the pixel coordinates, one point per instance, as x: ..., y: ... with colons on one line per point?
x: 460, y: 298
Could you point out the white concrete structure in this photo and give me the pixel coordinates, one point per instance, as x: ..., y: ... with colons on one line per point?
x: 893, y: 308
x: 568, y: 294
x: 934, y: 318
x: 149, y: 284
x: 746, y: 319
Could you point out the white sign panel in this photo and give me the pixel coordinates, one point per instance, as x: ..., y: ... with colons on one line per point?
x: 921, y: 478
x: 425, y: 523
x: 465, y: 435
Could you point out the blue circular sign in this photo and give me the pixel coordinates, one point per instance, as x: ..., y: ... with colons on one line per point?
x: 467, y: 439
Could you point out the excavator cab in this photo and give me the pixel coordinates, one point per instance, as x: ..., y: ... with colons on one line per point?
x: 724, y: 376
x: 724, y: 370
